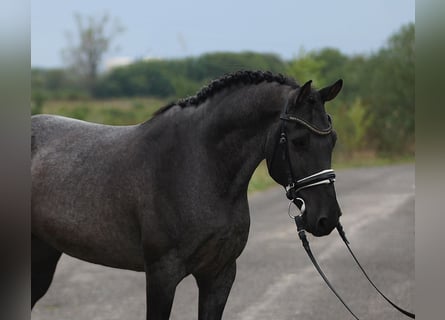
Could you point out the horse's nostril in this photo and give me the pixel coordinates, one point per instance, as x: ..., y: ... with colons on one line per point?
x: 322, y: 222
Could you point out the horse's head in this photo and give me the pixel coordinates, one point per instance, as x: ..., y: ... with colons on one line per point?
x: 298, y: 153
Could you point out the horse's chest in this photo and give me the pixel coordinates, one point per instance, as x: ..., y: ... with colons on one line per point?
x: 219, y: 246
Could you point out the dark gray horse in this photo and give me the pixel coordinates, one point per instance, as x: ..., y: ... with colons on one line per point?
x: 169, y: 196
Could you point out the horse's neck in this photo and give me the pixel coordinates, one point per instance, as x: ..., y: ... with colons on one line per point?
x: 236, y: 132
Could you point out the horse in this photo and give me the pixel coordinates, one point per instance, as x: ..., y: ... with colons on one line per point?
x: 168, y: 196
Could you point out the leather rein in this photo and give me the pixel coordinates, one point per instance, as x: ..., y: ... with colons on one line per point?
x: 323, y: 177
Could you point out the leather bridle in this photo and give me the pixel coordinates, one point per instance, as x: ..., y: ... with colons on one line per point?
x: 293, y: 186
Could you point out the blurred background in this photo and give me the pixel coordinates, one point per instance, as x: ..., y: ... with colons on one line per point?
x: 116, y: 62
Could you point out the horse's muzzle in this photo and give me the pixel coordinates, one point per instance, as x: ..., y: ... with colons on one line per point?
x: 321, y: 225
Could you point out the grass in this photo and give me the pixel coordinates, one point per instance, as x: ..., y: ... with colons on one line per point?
x: 126, y: 111
x: 110, y: 111
x: 368, y: 159
x: 261, y: 179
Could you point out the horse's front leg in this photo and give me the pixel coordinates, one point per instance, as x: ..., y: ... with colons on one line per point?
x: 214, y: 290
x: 162, y: 277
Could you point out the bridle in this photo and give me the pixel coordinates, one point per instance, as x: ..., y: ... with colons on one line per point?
x: 293, y: 186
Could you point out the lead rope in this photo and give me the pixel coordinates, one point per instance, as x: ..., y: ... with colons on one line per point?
x: 345, y: 240
x: 303, y: 238
x: 302, y: 235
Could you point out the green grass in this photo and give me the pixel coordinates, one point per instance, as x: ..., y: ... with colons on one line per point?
x: 367, y: 159
x: 109, y: 111
x: 137, y: 110
x: 261, y: 180
x: 378, y: 161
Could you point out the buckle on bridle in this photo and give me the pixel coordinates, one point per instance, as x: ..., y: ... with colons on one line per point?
x: 290, y: 191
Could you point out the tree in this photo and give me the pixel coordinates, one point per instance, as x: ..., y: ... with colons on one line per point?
x: 333, y: 63
x: 388, y: 84
x: 305, y: 67
x: 93, y: 39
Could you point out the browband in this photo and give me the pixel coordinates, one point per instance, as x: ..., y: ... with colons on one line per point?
x: 294, y: 118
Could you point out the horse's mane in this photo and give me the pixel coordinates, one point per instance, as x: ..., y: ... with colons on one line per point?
x: 244, y: 77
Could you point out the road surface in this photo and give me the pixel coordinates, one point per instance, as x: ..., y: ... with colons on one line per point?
x: 275, y: 279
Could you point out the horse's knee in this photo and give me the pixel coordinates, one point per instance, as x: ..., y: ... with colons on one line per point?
x: 162, y: 279
x: 214, y: 290
x: 220, y: 278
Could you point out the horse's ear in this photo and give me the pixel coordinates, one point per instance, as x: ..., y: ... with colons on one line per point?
x: 331, y: 92
x: 304, y: 91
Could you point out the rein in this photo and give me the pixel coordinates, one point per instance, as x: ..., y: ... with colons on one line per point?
x: 323, y: 177
x: 302, y: 235
x: 345, y: 240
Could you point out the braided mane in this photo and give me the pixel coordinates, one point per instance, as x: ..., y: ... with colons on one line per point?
x: 244, y: 77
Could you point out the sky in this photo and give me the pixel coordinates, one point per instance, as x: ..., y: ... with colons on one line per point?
x: 175, y: 29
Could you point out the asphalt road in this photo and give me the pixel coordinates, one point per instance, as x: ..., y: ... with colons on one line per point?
x: 275, y: 279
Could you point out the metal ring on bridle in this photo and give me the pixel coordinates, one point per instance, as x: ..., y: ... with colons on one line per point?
x: 302, y: 209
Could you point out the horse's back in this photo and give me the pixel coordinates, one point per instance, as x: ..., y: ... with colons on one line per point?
x: 82, y: 189
x: 49, y: 129
x: 66, y: 139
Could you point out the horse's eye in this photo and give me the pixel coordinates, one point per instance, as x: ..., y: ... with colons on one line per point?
x: 311, y: 99
x: 300, y: 142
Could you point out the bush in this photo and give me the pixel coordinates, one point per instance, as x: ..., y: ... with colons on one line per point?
x: 352, y: 123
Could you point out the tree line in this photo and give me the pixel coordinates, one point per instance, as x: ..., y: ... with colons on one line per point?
x: 374, y: 111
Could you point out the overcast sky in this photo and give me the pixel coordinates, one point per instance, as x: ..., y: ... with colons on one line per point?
x: 172, y: 28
